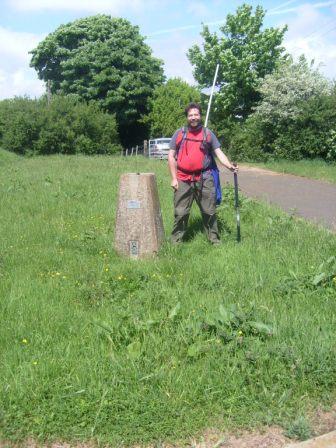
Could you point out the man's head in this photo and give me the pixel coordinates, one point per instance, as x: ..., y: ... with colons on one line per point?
x: 193, y: 113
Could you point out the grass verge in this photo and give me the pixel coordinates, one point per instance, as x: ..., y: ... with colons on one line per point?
x: 314, y: 169
x: 96, y: 347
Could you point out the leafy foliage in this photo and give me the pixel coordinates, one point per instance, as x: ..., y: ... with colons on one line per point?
x: 65, y: 126
x: 295, y: 119
x: 284, y: 90
x: 245, y: 53
x: 167, y: 108
x: 104, y: 59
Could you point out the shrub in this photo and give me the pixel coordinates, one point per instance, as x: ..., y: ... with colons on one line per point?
x: 310, y: 134
x: 66, y: 126
x: 19, y: 124
x: 248, y: 141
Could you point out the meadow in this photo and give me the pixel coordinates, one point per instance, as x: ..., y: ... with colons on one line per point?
x: 94, y: 347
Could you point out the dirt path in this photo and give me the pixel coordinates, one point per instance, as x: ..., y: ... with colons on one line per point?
x: 307, y: 198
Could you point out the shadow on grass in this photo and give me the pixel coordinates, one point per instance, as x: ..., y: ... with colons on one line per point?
x: 195, y: 226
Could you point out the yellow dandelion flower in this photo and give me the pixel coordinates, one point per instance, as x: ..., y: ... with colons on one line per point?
x: 35, y: 363
x: 24, y: 341
x: 120, y: 277
x: 106, y: 269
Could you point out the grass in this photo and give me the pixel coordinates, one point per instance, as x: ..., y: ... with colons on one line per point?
x: 98, y: 348
x: 314, y: 169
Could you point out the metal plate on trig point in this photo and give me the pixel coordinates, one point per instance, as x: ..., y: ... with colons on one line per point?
x: 133, y: 204
x: 134, y: 248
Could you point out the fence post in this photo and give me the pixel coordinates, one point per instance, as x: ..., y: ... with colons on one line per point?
x: 136, y: 150
x: 126, y: 152
x: 145, y: 147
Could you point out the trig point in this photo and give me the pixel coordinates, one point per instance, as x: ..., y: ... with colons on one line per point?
x: 139, y: 228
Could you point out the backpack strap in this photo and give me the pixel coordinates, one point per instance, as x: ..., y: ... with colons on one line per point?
x: 205, y: 141
x: 184, y: 131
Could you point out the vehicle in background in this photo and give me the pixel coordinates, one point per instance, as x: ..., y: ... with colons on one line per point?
x: 158, y: 148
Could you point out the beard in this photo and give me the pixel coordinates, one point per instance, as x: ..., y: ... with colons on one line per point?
x: 194, y: 123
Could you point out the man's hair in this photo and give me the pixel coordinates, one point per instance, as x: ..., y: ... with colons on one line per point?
x: 193, y: 106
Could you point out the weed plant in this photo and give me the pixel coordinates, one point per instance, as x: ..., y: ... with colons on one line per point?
x: 97, y: 347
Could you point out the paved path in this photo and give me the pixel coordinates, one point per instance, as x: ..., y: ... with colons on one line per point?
x: 310, y: 199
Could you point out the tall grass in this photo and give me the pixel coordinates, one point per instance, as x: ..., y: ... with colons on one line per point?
x: 96, y: 347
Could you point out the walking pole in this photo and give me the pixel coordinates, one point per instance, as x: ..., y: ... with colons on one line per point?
x: 210, y: 100
x: 235, y: 178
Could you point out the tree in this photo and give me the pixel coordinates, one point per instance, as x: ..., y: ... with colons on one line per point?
x: 167, y: 106
x: 245, y: 53
x: 104, y: 59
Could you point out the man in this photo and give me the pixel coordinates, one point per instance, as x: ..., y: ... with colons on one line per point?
x: 190, y: 159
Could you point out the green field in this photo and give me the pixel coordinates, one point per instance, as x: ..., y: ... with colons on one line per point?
x: 98, y: 348
x: 315, y: 169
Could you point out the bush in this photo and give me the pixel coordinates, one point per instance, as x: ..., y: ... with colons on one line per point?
x: 66, y: 126
x: 248, y: 141
x: 311, y: 134
x: 295, y: 119
x: 19, y: 124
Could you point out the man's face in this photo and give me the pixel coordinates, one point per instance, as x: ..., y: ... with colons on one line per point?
x: 194, y: 118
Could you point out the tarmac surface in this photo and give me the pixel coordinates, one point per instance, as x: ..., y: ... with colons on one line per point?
x: 310, y: 199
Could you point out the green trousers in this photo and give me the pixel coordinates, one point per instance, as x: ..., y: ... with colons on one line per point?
x: 205, y: 196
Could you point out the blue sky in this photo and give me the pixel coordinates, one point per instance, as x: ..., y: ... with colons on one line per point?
x: 171, y: 28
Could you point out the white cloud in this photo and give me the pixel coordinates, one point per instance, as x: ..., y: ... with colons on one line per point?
x: 298, y: 8
x: 199, y: 9
x: 110, y: 6
x: 16, y: 78
x: 20, y: 83
x: 282, y: 5
x: 313, y: 34
x: 173, y: 51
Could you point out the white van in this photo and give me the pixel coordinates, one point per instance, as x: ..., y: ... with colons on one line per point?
x: 158, y: 148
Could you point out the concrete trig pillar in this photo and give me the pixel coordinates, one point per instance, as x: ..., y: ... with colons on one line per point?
x: 139, y: 227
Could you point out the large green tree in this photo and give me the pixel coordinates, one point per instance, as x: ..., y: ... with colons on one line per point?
x: 245, y: 52
x: 105, y: 59
x: 168, y: 104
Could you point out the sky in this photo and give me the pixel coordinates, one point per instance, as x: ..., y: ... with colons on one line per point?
x: 171, y: 27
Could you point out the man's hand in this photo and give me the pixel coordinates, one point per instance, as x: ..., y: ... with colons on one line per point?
x: 234, y: 168
x: 174, y: 184
x: 225, y: 161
